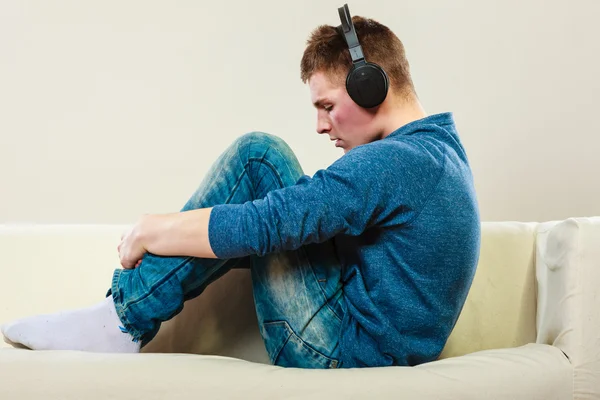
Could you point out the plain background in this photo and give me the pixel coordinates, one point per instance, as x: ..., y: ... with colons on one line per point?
x: 110, y: 109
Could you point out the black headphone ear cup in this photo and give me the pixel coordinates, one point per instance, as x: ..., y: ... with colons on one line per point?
x: 367, y: 84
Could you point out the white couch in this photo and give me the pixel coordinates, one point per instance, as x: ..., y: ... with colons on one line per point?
x: 530, y: 328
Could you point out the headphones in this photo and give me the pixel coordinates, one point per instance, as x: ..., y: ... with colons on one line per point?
x: 366, y: 83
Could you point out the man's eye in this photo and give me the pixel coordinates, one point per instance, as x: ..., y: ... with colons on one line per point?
x: 328, y: 108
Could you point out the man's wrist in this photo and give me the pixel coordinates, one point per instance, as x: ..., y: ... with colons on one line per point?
x: 152, y: 228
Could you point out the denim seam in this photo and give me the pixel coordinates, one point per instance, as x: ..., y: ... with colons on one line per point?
x: 159, y: 283
x: 245, y: 166
x: 286, y: 163
x: 236, y: 186
x: 263, y: 161
x: 268, y: 164
x: 121, y: 312
x: 319, y: 285
x: 280, y: 348
x: 291, y: 332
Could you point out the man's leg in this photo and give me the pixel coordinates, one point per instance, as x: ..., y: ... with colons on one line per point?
x: 299, y: 305
x: 298, y: 294
x: 155, y: 291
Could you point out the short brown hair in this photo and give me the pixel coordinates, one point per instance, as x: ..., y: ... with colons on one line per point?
x: 326, y: 51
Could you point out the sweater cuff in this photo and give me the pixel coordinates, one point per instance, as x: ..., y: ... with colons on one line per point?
x: 225, y: 227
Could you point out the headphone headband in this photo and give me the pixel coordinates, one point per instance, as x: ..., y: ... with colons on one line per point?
x: 347, y: 28
x: 366, y: 83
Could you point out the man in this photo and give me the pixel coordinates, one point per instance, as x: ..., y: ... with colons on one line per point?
x: 367, y: 263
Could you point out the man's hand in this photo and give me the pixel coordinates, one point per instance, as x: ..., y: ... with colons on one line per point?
x: 131, y: 250
x: 182, y: 234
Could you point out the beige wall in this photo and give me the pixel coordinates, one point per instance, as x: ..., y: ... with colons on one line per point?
x: 110, y: 109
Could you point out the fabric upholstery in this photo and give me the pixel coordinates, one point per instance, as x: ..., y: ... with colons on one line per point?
x: 501, y: 306
x: 568, y: 275
x: 77, y: 262
x: 532, y: 372
x: 535, y: 282
x: 70, y: 266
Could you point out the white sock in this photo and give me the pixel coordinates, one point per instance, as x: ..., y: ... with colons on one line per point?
x: 96, y: 329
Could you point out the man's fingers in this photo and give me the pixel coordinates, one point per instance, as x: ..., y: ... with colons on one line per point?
x: 127, y: 264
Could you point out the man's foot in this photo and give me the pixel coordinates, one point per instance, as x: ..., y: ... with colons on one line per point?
x: 96, y: 329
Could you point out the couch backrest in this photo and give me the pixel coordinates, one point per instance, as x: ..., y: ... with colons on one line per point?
x: 500, y: 310
x: 51, y: 268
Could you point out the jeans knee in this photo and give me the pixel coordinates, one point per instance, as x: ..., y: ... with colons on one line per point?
x: 259, y: 145
x: 260, y: 139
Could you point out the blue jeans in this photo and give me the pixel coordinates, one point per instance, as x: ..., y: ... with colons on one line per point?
x: 298, y: 294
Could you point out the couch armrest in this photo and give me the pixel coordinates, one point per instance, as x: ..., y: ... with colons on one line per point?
x: 568, y: 277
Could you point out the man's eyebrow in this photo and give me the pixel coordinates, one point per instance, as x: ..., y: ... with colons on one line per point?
x: 319, y: 102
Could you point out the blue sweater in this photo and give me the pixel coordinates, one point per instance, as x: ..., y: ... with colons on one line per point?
x: 404, y: 217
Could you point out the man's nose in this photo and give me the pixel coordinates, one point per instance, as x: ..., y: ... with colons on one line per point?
x: 323, y: 126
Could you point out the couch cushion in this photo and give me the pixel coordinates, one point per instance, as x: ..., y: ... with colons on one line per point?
x: 533, y: 372
x: 500, y: 309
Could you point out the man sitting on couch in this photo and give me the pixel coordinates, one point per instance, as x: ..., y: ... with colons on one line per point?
x: 367, y: 263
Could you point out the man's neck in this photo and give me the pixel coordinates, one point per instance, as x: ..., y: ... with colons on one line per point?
x: 397, y: 113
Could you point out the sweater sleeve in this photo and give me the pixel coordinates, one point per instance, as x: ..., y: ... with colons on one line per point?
x: 346, y: 198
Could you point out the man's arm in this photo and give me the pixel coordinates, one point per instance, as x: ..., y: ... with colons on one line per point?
x: 356, y: 191
x: 177, y: 234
